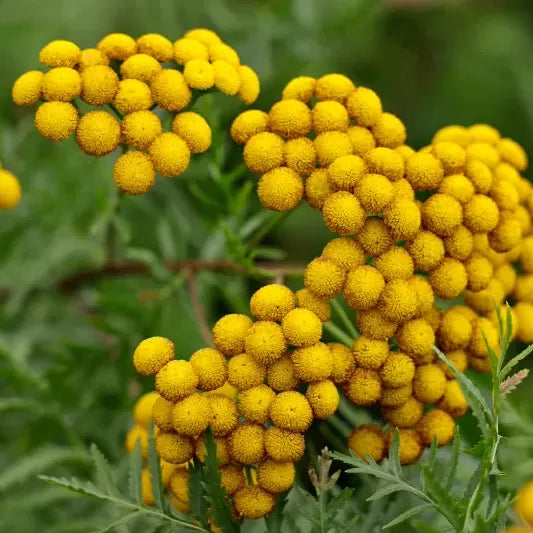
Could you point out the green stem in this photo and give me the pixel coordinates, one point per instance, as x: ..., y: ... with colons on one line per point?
x: 277, y: 218
x: 338, y: 334
x: 115, y: 110
x: 348, y: 324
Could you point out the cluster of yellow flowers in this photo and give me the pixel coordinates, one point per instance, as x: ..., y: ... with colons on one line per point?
x: 141, y: 81
x: 10, y: 190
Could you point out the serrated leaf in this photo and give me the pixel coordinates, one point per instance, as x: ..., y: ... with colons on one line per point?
x: 454, y: 460
x: 154, y: 465
x: 348, y: 526
x: 422, y: 527
x: 385, y: 491
x: 124, y: 520
x: 104, y: 477
x: 134, y: 474
x: 514, y: 361
x: 197, y: 501
x: 274, y: 519
x: 394, y: 453
x: 408, y: 514
x: 447, y: 504
x: 337, y: 503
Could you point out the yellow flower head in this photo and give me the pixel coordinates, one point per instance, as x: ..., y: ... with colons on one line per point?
x: 140, y: 129
x: 290, y: 119
x: 142, y: 410
x: 222, y: 450
x: 346, y: 172
x: 252, y: 502
x: 324, y: 278
x: 427, y: 250
x: 479, y: 270
x: 483, y: 301
x: 480, y: 176
x: 192, y: 415
x: 248, y: 124
x: 301, y: 88
x: 343, y: 362
x: 174, y: 448
x: 389, y: 131
x: 503, y: 193
x: 232, y: 478
x: 61, y: 84
x: 370, y: 353
x: 284, y: 445
x: 312, y: 363
x: 416, y: 338
x: 457, y: 186
x: 244, y: 372
x: 507, y: 235
x: 523, y: 291
x: 424, y: 295
x: 449, y: 279
x: 222, y: 52
x: 507, y: 276
x: 398, y: 301
x: 250, y: 85
x: 157, y: 46
x: 226, y: 390
x: 403, y: 219
x: 432, y: 315
x: 373, y: 323
x: 522, y: 215
x: 229, y: 333
x: 317, y: 188
x: 323, y: 397
x: 398, y: 370
x: 396, y: 263
x: 204, y: 35
x: 211, y: 368
x: 333, y: 87
x: 455, y: 134
x: 511, y: 152
x: 170, y: 90
x: 386, y: 162
x: 429, y: 383
x: 98, y: 133
x: 459, y: 360
x: 481, y: 214
x: 280, y: 189
x: 441, y: 214
x: 451, y: 155
x: 396, y: 396
x: 227, y: 79
x: 363, y: 287
x: 187, y: 49
x: 455, y: 330
x: 331, y: 145
x: 375, y: 192
x: 524, y: 318
x: 224, y: 415
x: 140, y: 434
x: 301, y: 328
x: 194, y: 130
x: 364, y: 387
x: 453, y: 401
x: 162, y: 411
x: 300, y: 155
x: 410, y: 445
x: 374, y: 237
x: 364, y: 107
x: 274, y: 476
x: 436, y: 424
x: 263, y: 152
x: 117, y: 46
x: 320, y: 306
x: 10, y: 190
x: 134, y: 173
x: 368, y: 439
x: 176, y: 380
x: 27, y: 88
x: 60, y: 54
x: 343, y: 213
x: 254, y: 404
x: 132, y: 95
x: 99, y: 85
x: 281, y: 375
x: 523, y: 505
x: 179, y: 484
x: 460, y: 243
x: 329, y: 115
x: 265, y: 342
x: 405, y: 151
x: 272, y: 302
x: 152, y: 354
x: 91, y: 57
x: 482, y: 152
x: 146, y: 487
x: 483, y: 328
x: 199, y: 74
x: 424, y: 171
x: 170, y: 154
x: 291, y: 410
x: 406, y: 415
x: 483, y: 133
x: 140, y: 67
x: 362, y: 140
x: 403, y: 189
x: 247, y: 443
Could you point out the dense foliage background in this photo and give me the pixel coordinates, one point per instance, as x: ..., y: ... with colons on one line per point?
x: 66, y: 377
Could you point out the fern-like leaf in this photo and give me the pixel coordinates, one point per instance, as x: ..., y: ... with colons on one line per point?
x: 121, y: 521
x: 407, y: 514
x: 104, y: 477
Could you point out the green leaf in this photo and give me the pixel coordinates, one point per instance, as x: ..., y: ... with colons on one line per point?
x: 454, y: 460
x: 121, y: 521
x: 274, y: 519
x: 514, y: 361
x: 104, y: 477
x: 134, y: 474
x: 154, y: 465
x: 385, y: 491
x: 197, y: 501
x: 394, y: 454
x: 407, y: 514
x: 339, y: 502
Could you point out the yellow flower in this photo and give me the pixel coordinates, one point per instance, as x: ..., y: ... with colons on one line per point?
x: 483, y: 301
x: 523, y: 291
x: 227, y: 79
x: 374, y: 237
x: 363, y: 287
x: 368, y: 439
x: 247, y: 443
x: 320, y: 306
x: 272, y: 302
x: 60, y: 54
x: 346, y: 172
x: 343, y: 213
x: 330, y: 145
x: 265, y: 342
x: 455, y: 330
x: 507, y: 276
x: 375, y: 192
x: 157, y: 46
x: 424, y: 171
x: 333, y: 87
x: 179, y: 484
x: 396, y: 263
x: 521, y: 214
x: 142, y: 410
x: 254, y: 404
x: 162, y: 414
x: 98, y: 133
x: 524, y: 317
x: 291, y: 410
x: 194, y: 130
x: 301, y: 88
x: 91, y: 57
x: 429, y: 383
x: 317, y: 188
x: 152, y: 354
x: 281, y: 374
x: 312, y: 363
x: 346, y: 252
x: 232, y: 478
x: 140, y: 129
x: 459, y: 360
x: 402, y: 217
x: 386, y: 162
x: 458, y: 186
x: 222, y: 450
x: 396, y: 396
x: 179, y: 505
x: 480, y: 176
x: 373, y: 323
x: 441, y: 214
x: 284, y: 445
x: 203, y: 35
x: 484, y: 133
x: 451, y: 155
x: 362, y: 140
x: 134, y: 173
x: 211, y: 368
x: 250, y: 85
x: 449, y: 279
x: 364, y: 106
x: 253, y: 502
x: 140, y: 67
x: 290, y: 119
x: 263, y: 152
x: 199, y: 74
x: 503, y: 193
x: 406, y: 415
x: 482, y: 152
x: 329, y: 115
x: 170, y: 154
x: 364, y: 387
x: 436, y: 424
x: 389, y: 131
x: 426, y: 250
x: 174, y: 448
x: 229, y: 333
x: 222, y: 52
x: 324, y: 278
x: 479, y: 270
x: 192, y: 415
x: 300, y: 155
x: 280, y: 189
x: 224, y: 415
x: 398, y: 301
x: 244, y: 372
x: 524, y: 501
x: 323, y: 397
x: 248, y: 124
x: 176, y: 380
x: 61, y: 84
x: 483, y: 332
x: 99, y: 85
x: 398, y: 370
x: 410, y: 445
x: 27, y: 88
x: 187, y: 49
x: 132, y: 95
x: 460, y: 243
x: 424, y: 296
x: 405, y: 152
x: 301, y: 327
x: 370, y: 353
x: 416, y: 338
x: 432, y: 314
x: 481, y: 214
x: 10, y: 190
x: 170, y: 90
x: 453, y: 401
x: 511, y: 152
x: 146, y: 487
x: 117, y: 46
x: 137, y: 433
x: 275, y: 477
x: 454, y: 133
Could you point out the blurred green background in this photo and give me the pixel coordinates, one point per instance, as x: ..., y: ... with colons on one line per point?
x: 66, y: 377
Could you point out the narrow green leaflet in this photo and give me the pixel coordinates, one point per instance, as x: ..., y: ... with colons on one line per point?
x: 514, y: 361
x: 385, y: 491
x: 134, y: 474
x: 454, y: 460
x: 121, y: 521
x: 394, y: 454
x: 408, y: 514
x: 104, y: 477
x: 155, y: 471
x: 274, y: 520
x: 197, y: 501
